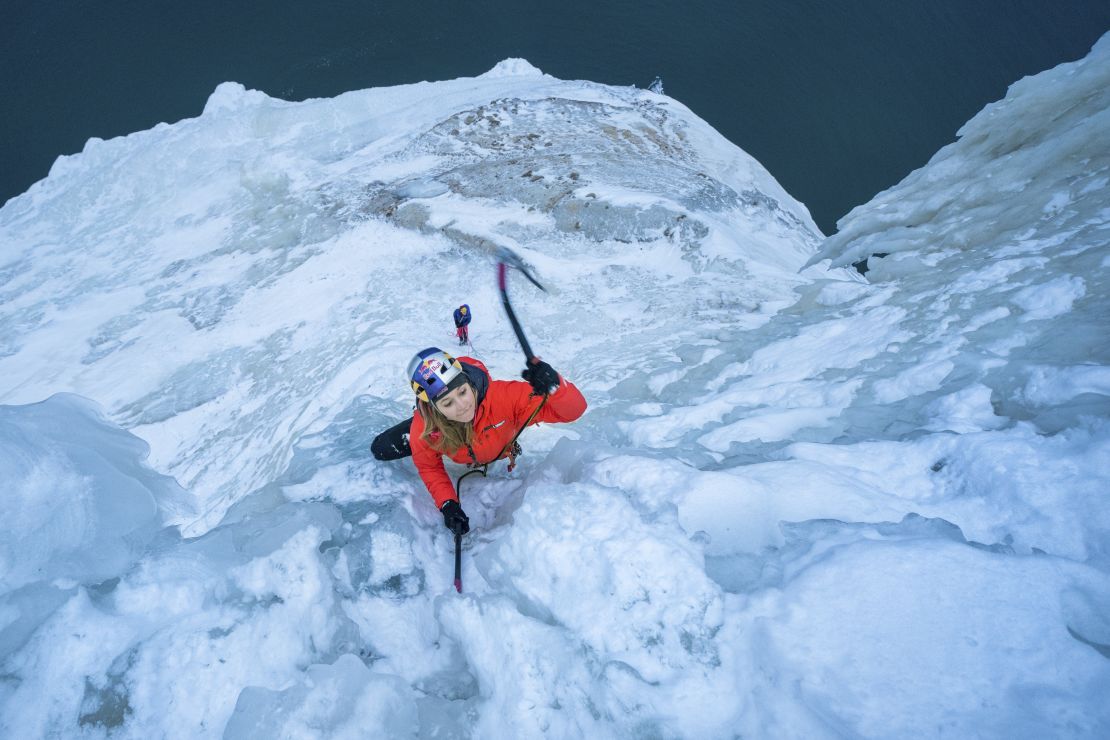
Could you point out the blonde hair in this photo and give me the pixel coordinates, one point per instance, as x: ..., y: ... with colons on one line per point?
x: 451, y: 434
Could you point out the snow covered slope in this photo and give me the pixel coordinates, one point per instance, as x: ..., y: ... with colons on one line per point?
x: 228, y: 284
x: 802, y: 503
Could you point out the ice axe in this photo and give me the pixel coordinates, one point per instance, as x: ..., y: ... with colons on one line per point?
x: 507, y: 258
x: 458, y: 537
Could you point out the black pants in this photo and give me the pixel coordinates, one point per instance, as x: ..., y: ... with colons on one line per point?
x: 393, y: 443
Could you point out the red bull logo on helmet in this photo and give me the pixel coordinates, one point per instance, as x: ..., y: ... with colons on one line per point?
x: 429, y: 368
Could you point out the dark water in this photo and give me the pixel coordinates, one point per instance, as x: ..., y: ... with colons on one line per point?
x: 839, y: 100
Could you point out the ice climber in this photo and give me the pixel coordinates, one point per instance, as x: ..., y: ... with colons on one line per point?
x: 463, y: 414
x: 462, y: 323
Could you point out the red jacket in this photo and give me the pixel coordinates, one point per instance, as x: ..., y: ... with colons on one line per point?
x: 499, y: 416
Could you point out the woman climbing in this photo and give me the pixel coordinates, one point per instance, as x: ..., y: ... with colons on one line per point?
x: 463, y: 414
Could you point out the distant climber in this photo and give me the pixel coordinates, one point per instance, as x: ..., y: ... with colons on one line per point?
x: 462, y: 323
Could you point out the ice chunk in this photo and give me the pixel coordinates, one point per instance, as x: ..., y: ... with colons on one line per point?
x: 79, y: 503
x: 342, y: 700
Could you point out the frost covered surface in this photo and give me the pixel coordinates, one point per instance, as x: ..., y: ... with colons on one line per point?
x: 801, y: 503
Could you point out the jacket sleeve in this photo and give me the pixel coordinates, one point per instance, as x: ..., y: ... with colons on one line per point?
x: 566, y: 404
x: 429, y: 464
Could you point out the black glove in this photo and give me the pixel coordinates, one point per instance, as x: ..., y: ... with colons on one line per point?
x: 454, y: 518
x: 542, y: 377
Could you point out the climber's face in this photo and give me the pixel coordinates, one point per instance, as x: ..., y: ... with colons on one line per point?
x: 458, y: 405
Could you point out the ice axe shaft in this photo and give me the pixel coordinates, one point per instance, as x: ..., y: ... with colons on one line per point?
x: 528, y: 354
x: 458, y: 563
x: 506, y: 259
x: 458, y: 537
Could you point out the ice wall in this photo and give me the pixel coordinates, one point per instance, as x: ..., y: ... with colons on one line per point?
x: 803, y: 503
x: 225, y: 285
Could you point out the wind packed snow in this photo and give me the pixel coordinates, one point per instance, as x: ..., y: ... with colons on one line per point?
x: 803, y: 502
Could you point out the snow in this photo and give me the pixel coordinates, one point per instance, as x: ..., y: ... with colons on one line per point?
x: 802, y: 503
